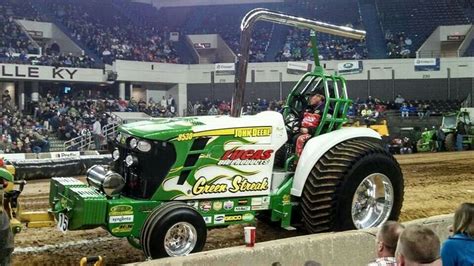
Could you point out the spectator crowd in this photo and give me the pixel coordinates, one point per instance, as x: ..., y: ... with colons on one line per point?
x: 419, y: 245
x: 398, y: 45
x: 66, y: 118
x: 222, y: 107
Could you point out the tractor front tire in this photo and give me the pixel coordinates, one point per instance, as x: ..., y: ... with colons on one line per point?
x: 450, y: 142
x: 350, y: 178
x: 173, y: 229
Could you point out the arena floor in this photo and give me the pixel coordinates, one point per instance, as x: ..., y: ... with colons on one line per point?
x: 435, y: 183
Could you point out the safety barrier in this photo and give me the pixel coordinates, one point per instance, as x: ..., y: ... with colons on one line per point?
x: 44, y: 165
x: 343, y: 248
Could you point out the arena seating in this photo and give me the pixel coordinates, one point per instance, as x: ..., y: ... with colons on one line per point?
x: 122, y: 29
x: 110, y: 34
x: 225, y: 20
x: 12, y: 38
x: 342, y: 12
x: 415, y: 20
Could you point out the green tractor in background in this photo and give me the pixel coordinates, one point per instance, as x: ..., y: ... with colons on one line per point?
x: 449, y: 127
x: 427, y: 142
x: 172, y: 179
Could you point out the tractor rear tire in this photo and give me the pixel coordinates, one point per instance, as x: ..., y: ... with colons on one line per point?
x: 450, y: 142
x: 330, y: 191
x: 173, y: 221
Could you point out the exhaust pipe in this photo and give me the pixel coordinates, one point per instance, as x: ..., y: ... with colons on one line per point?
x: 263, y: 14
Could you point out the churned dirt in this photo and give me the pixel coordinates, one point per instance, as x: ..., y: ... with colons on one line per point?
x: 435, y: 183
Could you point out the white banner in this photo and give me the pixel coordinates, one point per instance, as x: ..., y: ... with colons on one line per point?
x: 174, y: 36
x: 298, y: 67
x: 65, y: 154
x: 225, y: 69
x: 351, y: 67
x: 13, y: 156
x: 33, y: 72
x: 427, y: 64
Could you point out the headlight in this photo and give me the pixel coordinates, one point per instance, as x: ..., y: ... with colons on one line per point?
x: 133, y: 143
x: 130, y: 160
x: 116, y: 154
x: 144, y: 146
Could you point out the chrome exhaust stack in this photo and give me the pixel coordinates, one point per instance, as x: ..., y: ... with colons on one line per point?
x: 262, y: 14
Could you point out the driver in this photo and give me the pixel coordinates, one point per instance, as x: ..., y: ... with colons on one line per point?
x: 311, y: 118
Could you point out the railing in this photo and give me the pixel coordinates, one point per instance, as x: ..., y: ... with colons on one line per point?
x: 85, y: 141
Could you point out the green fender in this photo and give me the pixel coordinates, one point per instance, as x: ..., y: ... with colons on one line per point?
x: 4, y: 174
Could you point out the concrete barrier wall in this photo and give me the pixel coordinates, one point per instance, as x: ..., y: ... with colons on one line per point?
x: 344, y: 248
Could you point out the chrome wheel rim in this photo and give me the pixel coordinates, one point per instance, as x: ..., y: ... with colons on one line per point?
x: 180, y: 239
x: 372, y: 202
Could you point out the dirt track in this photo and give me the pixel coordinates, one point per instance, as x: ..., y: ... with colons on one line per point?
x: 435, y: 183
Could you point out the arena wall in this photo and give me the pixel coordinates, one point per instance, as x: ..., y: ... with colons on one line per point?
x: 345, y: 248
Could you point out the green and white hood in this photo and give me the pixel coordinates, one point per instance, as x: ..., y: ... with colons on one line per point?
x: 236, y: 159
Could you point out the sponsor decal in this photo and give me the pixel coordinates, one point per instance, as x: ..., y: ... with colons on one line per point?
x: 243, y: 201
x: 286, y: 199
x: 256, y: 201
x: 228, y: 205
x: 207, y: 219
x: 247, y: 217
x: 205, y: 206
x: 123, y: 228
x: 242, y: 208
x: 121, y: 210
x: 233, y: 218
x: 246, y: 157
x: 121, y: 219
x: 259, y: 207
x: 217, y: 205
x: 243, y: 132
x: 219, y: 219
x: 238, y: 184
x: 253, y: 132
x: 260, y: 203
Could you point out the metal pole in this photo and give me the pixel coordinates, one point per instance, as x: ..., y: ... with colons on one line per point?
x: 281, y: 86
x: 368, y: 83
x: 393, y: 84
x: 246, y: 27
x: 449, y: 83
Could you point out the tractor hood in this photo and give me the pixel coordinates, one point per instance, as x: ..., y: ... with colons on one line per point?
x: 164, y: 129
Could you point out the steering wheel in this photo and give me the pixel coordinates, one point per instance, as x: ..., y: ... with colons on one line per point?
x: 292, y: 120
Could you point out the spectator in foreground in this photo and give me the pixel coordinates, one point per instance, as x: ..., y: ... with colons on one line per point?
x: 387, y: 239
x: 458, y: 250
x: 418, y: 245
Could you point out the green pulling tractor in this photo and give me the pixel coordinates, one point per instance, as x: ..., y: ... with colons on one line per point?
x: 430, y: 140
x: 450, y: 129
x: 172, y: 179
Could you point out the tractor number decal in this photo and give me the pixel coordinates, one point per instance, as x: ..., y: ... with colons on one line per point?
x: 246, y: 157
x: 243, y: 132
x: 238, y: 184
